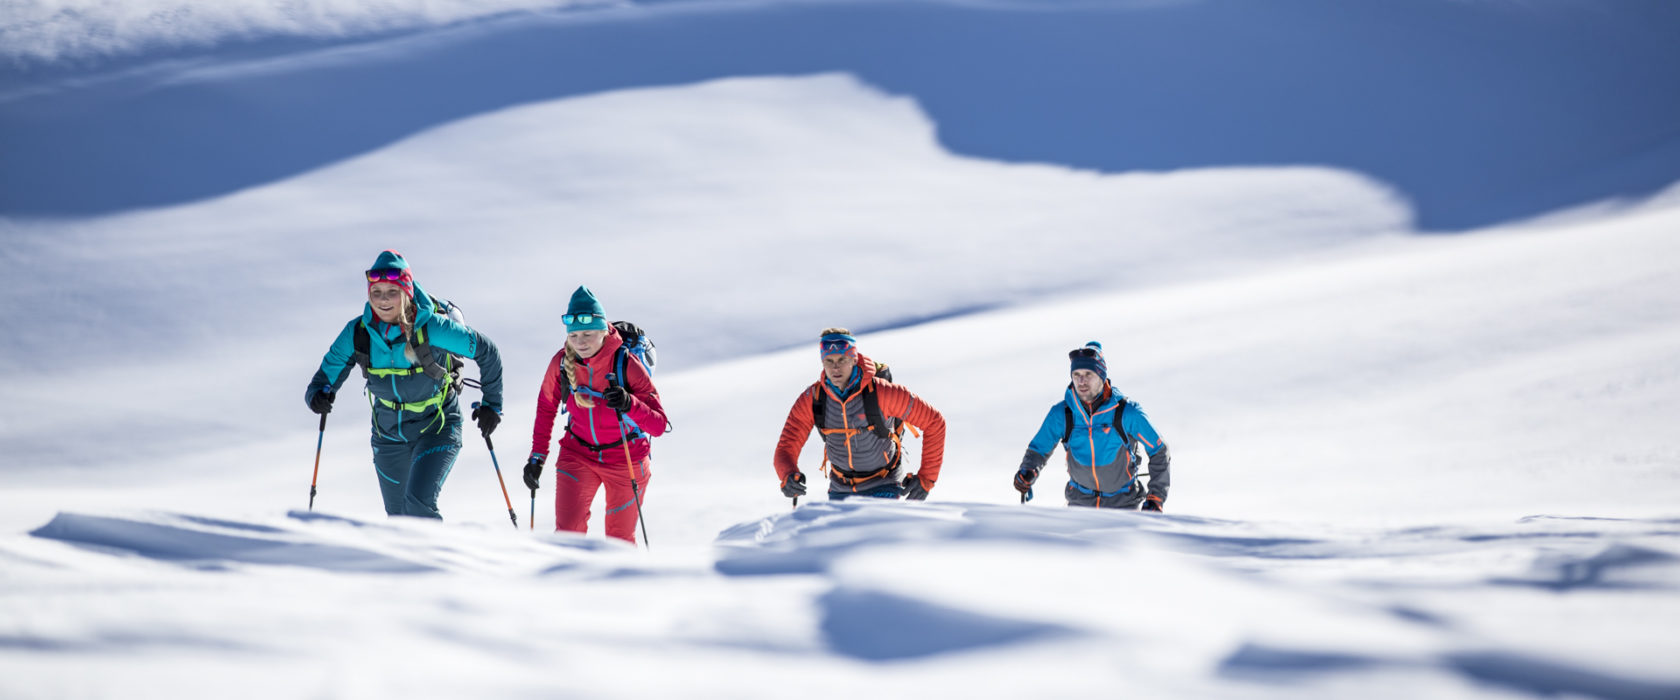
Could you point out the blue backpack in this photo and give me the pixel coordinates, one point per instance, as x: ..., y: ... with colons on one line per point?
x: 636, y: 342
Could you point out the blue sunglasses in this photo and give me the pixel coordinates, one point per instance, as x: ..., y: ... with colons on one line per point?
x: 836, y: 347
x: 579, y: 319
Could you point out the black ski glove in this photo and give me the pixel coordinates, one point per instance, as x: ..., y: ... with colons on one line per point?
x: 1152, y: 505
x: 533, y: 471
x: 321, y: 402
x: 794, y: 485
x: 617, y: 398
x: 487, y: 418
x: 913, y: 489
x: 1025, y: 478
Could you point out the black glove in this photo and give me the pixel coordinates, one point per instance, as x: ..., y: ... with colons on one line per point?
x: 533, y: 471
x: 487, y: 418
x: 1025, y: 478
x: 794, y: 485
x: 1152, y: 504
x: 913, y: 489
x: 321, y: 402
x: 617, y: 398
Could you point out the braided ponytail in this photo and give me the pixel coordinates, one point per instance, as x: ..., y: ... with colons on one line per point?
x: 569, y: 364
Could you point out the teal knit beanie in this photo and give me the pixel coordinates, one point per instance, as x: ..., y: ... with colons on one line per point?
x: 391, y: 267
x: 584, y: 305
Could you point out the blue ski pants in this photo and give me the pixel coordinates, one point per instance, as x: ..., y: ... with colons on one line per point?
x: 411, y: 473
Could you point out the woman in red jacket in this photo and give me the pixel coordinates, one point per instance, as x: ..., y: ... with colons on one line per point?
x: 613, y: 409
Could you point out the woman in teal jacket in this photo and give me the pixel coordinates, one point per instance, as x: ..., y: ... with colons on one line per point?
x: 1100, y: 431
x: 410, y: 353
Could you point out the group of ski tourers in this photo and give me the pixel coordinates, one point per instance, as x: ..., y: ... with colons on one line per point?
x: 410, y: 346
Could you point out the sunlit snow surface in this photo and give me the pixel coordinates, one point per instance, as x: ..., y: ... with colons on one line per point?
x: 891, y: 599
x: 1408, y: 466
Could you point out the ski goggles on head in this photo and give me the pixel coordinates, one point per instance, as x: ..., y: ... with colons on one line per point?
x: 1084, y: 352
x: 582, y: 319
x: 838, y: 345
x: 388, y: 274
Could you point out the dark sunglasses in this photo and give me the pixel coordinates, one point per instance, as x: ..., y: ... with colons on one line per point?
x: 389, y: 274
x: 1083, y: 352
x: 578, y: 319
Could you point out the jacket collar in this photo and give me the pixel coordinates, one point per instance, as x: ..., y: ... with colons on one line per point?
x: 609, y: 347
x: 424, y: 310
x: 865, y: 373
x: 1107, y: 400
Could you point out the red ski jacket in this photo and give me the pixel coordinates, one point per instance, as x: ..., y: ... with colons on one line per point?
x: 591, y: 428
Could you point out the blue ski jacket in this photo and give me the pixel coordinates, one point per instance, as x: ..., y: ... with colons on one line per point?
x: 406, y: 401
x: 1101, y: 458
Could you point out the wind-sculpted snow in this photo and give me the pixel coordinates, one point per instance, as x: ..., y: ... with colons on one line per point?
x: 1476, y: 112
x: 34, y: 32
x: 307, y: 540
x: 997, y: 600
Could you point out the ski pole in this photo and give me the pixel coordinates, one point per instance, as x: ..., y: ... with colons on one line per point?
x: 498, y: 466
x: 317, y: 476
x: 533, y: 510
x: 635, y: 491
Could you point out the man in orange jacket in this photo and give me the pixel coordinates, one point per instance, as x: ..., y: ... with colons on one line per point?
x: 858, y: 414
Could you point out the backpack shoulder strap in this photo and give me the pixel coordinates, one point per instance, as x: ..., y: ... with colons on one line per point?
x: 1120, y: 420
x: 872, y: 410
x: 439, y: 371
x: 1067, y: 423
x: 819, y: 407
x: 360, y: 341
x: 620, y: 359
x: 360, y: 344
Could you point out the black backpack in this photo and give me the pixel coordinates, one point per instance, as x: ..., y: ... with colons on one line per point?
x: 1067, y: 422
x: 884, y: 428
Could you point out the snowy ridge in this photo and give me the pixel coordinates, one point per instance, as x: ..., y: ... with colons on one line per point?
x: 81, y: 31
x: 1464, y: 131
x: 984, y: 590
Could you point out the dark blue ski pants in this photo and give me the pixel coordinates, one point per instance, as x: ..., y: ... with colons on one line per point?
x: 411, y: 473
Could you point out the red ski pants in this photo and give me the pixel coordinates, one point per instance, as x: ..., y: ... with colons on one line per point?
x: 578, y: 476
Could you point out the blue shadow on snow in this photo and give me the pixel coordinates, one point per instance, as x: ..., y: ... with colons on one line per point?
x: 1477, y: 112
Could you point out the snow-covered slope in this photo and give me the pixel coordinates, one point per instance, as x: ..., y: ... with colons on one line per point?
x: 729, y: 218
x: 1405, y: 466
x: 833, y: 600
x: 1408, y: 465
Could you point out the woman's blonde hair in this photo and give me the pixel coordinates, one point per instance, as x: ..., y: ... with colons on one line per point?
x: 834, y: 331
x: 568, y: 363
x: 405, y: 319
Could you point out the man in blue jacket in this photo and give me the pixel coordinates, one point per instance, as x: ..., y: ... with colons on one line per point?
x: 1099, y: 429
